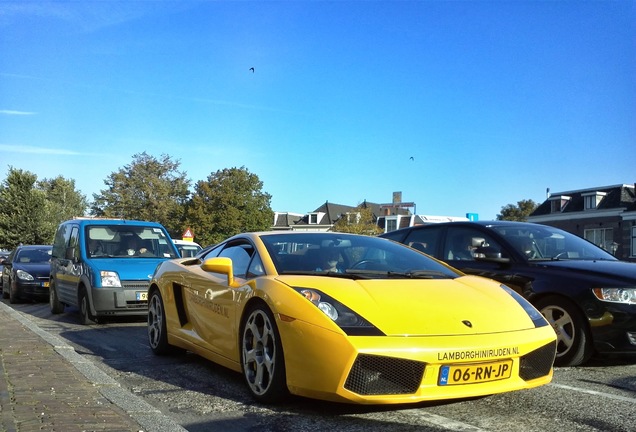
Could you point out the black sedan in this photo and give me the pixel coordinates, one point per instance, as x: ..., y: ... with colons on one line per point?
x: 587, y: 295
x: 26, y: 273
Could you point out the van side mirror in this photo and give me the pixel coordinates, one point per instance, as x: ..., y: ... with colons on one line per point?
x: 69, y: 254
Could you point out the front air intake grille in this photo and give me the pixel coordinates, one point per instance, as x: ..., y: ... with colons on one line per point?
x: 141, y: 286
x: 537, y: 363
x: 378, y: 375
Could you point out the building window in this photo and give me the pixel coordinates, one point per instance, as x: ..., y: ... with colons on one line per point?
x: 593, y: 200
x: 313, y: 218
x: 391, y: 224
x: 558, y: 203
x: 633, y: 249
x: 601, y: 237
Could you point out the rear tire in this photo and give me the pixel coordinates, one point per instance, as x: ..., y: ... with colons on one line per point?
x: 574, y: 342
x: 157, y: 327
x: 262, y: 357
x: 54, y: 302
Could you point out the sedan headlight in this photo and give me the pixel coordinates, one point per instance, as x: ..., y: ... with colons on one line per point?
x: 21, y: 274
x: 533, y: 313
x: 616, y: 295
x: 110, y: 279
x: 349, y: 321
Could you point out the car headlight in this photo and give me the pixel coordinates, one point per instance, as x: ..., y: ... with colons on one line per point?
x: 110, y: 279
x: 536, y: 317
x: 349, y: 321
x: 21, y: 274
x: 616, y: 295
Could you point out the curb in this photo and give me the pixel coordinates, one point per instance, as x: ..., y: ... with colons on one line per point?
x: 141, y: 411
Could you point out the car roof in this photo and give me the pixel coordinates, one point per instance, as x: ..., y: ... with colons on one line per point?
x: 99, y: 221
x: 469, y: 223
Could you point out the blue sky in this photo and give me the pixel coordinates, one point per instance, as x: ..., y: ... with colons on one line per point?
x: 495, y: 101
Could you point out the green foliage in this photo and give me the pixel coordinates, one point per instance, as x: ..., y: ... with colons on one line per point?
x: 361, y: 221
x: 148, y: 189
x: 231, y: 201
x: 520, y: 212
x: 30, y: 210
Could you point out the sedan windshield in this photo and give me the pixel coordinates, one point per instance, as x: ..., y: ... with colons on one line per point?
x: 548, y: 243
x: 343, y: 255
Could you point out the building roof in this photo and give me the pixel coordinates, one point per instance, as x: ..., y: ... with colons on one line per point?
x: 612, y: 197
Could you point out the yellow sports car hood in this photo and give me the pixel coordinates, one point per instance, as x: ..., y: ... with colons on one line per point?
x: 432, y: 307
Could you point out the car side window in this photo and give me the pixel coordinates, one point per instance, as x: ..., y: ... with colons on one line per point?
x: 425, y: 240
x: 466, y: 244
x: 240, y: 255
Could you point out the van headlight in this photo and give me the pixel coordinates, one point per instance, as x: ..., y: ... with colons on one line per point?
x: 110, y: 279
x: 616, y: 295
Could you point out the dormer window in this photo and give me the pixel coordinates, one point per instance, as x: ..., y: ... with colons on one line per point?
x: 593, y: 199
x: 353, y: 217
x: 314, y: 218
x: 558, y: 203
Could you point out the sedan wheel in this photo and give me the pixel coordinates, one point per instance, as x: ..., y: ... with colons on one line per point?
x: 262, y: 356
x: 573, y: 340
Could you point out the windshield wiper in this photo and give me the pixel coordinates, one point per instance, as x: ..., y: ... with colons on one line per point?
x: 348, y: 275
x: 420, y: 274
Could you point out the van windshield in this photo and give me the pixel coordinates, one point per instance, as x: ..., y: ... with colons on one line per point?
x: 120, y: 241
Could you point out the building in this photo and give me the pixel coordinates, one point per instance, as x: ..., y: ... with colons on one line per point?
x: 606, y: 216
x: 388, y: 217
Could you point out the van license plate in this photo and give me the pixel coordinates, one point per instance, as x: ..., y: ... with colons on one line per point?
x: 142, y: 296
x: 475, y: 373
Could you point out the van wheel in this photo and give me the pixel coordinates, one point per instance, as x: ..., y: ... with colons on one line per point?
x: 86, y: 318
x: 54, y: 302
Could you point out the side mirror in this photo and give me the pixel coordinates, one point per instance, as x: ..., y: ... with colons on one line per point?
x: 489, y: 254
x: 221, y: 265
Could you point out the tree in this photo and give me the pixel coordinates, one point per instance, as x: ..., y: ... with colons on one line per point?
x: 520, y: 212
x: 360, y: 221
x: 231, y: 201
x: 148, y: 189
x: 63, y: 201
x: 31, y: 210
x: 22, y: 211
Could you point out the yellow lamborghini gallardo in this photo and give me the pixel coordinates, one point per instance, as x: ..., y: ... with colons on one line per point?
x: 347, y: 318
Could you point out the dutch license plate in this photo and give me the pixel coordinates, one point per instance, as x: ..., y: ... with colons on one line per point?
x: 475, y: 373
x: 45, y: 284
x: 142, y: 295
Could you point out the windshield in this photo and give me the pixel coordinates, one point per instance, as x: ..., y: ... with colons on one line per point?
x: 349, y: 256
x: 122, y: 241
x: 34, y: 256
x: 542, y: 242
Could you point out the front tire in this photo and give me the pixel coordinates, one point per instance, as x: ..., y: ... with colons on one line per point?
x: 14, y: 293
x: 574, y: 342
x: 262, y: 358
x: 86, y: 317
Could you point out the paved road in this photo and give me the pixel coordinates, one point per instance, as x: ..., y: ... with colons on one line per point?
x: 201, y: 396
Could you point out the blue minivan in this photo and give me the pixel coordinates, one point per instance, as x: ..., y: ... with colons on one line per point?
x: 103, y: 266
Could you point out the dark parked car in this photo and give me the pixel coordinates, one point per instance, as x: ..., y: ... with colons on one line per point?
x: 3, y: 258
x: 26, y: 273
x: 587, y: 295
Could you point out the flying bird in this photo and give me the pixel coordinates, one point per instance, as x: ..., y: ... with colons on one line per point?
x: 412, y: 158
x: 252, y: 69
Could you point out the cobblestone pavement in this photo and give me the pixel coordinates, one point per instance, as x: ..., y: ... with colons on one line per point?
x: 46, y: 386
